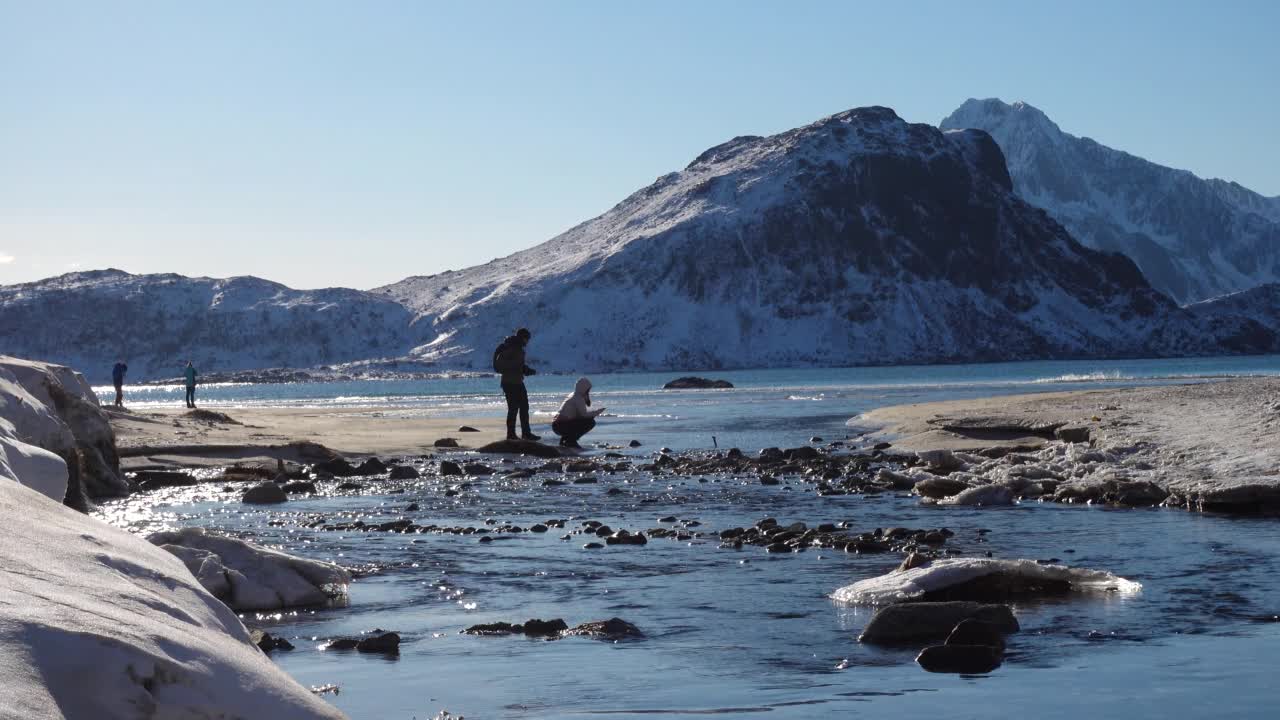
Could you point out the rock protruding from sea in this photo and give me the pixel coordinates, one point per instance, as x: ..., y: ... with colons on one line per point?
x: 519, y: 447
x: 131, y: 629
x: 697, y: 383
x: 249, y: 577
x: 915, y: 621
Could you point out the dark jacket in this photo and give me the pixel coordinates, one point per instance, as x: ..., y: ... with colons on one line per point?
x: 117, y: 373
x: 512, y: 368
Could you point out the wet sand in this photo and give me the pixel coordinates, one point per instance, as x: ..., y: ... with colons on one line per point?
x: 173, y: 436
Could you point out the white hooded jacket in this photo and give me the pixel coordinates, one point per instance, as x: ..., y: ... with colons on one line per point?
x: 578, y: 405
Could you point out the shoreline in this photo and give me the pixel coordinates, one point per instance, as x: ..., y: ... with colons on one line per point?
x: 1205, y: 446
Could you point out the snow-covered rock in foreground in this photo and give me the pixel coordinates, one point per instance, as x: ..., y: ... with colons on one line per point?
x: 96, y: 623
x: 939, y: 575
x: 1192, y: 238
x: 29, y: 465
x: 249, y: 577
x: 156, y: 323
x: 52, y: 407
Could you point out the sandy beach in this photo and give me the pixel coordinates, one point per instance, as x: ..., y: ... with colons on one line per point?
x: 177, y: 437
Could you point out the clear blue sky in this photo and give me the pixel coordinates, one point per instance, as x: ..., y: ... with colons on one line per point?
x: 355, y: 143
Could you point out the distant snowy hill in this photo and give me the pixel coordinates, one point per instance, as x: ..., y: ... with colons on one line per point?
x: 157, y: 322
x: 857, y: 239
x: 1192, y: 238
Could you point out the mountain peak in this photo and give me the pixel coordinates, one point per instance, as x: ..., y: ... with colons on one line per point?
x: 990, y: 113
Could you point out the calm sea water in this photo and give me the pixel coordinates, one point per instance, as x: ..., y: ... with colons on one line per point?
x: 767, y: 407
x: 745, y: 633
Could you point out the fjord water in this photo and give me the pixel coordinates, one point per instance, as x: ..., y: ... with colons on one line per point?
x: 743, y: 633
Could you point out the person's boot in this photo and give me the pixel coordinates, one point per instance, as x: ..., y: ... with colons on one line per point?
x: 511, y: 433
x: 528, y: 435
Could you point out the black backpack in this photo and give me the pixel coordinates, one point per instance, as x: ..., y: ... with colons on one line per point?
x: 502, y: 359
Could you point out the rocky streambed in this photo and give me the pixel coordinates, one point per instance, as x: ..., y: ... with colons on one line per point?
x: 724, y: 562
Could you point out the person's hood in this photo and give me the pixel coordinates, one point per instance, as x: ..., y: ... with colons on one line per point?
x: 583, y: 388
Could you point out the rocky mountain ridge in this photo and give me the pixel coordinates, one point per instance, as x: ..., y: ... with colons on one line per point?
x: 1193, y: 238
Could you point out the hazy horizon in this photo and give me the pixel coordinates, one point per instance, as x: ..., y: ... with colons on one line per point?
x: 320, y: 144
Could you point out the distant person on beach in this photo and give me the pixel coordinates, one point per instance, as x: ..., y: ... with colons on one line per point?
x: 190, y: 374
x: 117, y: 379
x: 509, y: 362
x: 576, y: 418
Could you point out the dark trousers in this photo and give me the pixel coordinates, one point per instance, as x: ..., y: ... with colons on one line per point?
x: 570, y: 430
x: 517, y: 404
x: 191, y: 396
x: 119, y: 395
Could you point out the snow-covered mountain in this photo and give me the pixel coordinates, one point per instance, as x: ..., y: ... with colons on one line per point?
x: 158, y: 322
x: 858, y: 239
x: 1192, y: 238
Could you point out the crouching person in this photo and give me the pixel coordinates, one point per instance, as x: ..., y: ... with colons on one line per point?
x: 576, y: 418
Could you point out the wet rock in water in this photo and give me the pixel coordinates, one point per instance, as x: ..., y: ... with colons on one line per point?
x: 976, y: 632
x: 1133, y: 494
x: 966, y: 659
x: 1072, y: 433
x: 770, y: 454
x: 337, y: 467
x: 634, y: 443
x: 815, y: 439
x: 697, y: 383
x: 349, y: 485
x: 897, y: 480
x: 552, y: 483
x: 467, y: 428
x: 498, y: 628
x: 305, y: 487
x: 585, y: 481
x: 882, y: 446
x: 911, y: 561
x: 387, y: 643
x: 371, y: 466
x: 943, y: 460
x: 592, y: 546
x: 914, y: 621
x: 477, y: 469
x: 544, y: 628
x: 268, y: 642
x: 622, y: 537
x: 520, y: 447
x: 341, y: 644
x: 940, y: 487
x: 445, y: 443
x: 802, y: 453
x: 450, y: 468
x: 520, y: 474
x: 768, y: 480
x: 983, y: 496
x: 154, y: 479
x: 265, y: 493
x: 403, y: 472
x: 581, y: 466
x: 668, y: 519
x: 611, y: 629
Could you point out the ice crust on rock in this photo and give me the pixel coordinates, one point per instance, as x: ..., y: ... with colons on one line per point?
x: 250, y: 577
x: 98, y: 623
x: 908, y: 585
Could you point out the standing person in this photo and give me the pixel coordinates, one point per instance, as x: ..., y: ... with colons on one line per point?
x: 117, y: 379
x: 576, y: 418
x: 509, y: 362
x: 190, y: 374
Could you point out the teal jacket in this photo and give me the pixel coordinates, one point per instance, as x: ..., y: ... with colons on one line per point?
x: 191, y: 377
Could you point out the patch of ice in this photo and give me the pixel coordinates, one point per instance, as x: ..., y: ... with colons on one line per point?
x: 907, y: 585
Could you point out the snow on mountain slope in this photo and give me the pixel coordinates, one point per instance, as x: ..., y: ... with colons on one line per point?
x: 857, y: 239
x: 157, y: 322
x: 1192, y: 238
